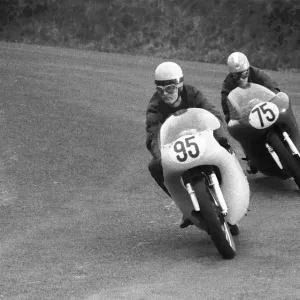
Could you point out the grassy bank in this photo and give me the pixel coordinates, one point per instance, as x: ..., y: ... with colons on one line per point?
x: 196, y: 30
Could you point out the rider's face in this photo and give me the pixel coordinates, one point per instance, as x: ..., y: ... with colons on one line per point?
x: 169, y: 94
x: 241, y: 77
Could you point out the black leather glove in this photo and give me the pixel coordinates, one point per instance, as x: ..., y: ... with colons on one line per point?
x: 223, y: 141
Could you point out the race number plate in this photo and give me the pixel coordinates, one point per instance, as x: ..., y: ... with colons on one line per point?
x: 187, y: 148
x: 263, y: 115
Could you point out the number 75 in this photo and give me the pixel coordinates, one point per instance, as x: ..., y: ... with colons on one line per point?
x: 262, y: 113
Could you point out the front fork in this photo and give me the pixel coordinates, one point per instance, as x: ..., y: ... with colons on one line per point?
x: 214, y: 188
x: 291, y: 145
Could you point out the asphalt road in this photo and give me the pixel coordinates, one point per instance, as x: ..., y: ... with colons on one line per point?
x: 81, y: 218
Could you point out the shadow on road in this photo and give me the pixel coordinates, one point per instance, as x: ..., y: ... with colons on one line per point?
x: 271, y: 187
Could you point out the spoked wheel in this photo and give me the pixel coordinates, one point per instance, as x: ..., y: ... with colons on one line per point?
x: 289, y: 160
x: 216, y: 224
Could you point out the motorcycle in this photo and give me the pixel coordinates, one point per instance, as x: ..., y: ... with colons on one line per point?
x: 264, y: 124
x: 205, y: 181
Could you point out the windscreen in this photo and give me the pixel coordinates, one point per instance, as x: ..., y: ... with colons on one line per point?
x: 241, y: 100
x: 187, y: 121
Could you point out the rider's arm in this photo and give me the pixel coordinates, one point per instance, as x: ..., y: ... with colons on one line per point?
x: 153, y: 124
x: 224, y: 101
x: 262, y: 78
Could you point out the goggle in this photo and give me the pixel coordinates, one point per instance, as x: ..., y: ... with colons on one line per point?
x: 170, y: 89
x: 242, y: 75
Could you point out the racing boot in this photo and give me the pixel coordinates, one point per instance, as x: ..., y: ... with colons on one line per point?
x: 251, y: 169
x: 185, y: 222
x: 234, y: 229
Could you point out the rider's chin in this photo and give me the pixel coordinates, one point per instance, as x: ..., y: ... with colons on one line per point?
x: 172, y: 101
x: 243, y: 82
x: 177, y: 102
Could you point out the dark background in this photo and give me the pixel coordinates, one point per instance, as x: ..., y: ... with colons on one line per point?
x: 196, y: 30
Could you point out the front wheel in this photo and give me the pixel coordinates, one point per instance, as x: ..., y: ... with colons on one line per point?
x: 215, y: 223
x: 291, y: 162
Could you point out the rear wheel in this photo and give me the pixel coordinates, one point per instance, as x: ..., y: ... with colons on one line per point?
x: 290, y: 161
x: 215, y: 223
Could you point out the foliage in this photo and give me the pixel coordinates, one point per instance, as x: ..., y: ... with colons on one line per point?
x: 187, y: 29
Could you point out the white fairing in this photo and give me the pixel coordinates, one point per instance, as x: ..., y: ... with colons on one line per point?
x: 187, y: 141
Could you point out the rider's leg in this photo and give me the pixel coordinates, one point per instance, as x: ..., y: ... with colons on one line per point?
x: 251, y: 168
x: 156, y: 171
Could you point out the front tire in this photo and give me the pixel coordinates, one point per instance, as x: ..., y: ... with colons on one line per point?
x: 290, y: 161
x: 215, y: 223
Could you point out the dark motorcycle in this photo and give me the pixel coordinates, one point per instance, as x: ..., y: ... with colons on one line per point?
x: 264, y: 124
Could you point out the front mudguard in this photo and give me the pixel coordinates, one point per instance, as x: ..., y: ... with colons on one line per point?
x: 234, y: 186
x: 289, y: 162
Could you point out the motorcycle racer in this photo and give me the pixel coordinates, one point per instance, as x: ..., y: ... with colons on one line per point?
x: 240, y: 73
x: 172, y: 95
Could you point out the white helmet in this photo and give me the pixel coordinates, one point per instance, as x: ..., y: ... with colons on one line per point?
x: 237, y: 62
x: 168, y: 73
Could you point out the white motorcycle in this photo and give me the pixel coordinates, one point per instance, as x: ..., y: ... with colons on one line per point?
x: 205, y: 181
